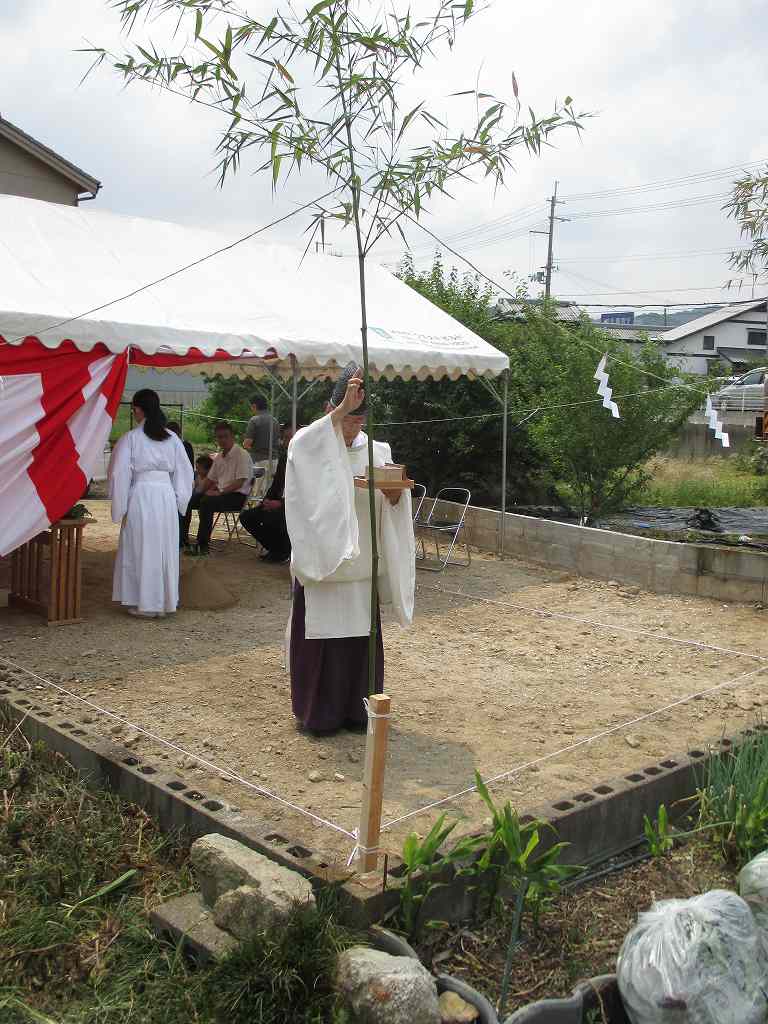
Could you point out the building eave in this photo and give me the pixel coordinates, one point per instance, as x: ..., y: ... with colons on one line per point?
x: 85, y: 182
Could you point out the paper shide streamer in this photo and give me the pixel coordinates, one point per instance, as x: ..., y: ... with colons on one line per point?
x: 603, y: 389
x: 716, y: 425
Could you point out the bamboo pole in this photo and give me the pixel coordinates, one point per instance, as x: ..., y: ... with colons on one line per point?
x: 373, y: 781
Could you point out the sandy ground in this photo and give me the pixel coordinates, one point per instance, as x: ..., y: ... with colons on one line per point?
x: 475, y: 685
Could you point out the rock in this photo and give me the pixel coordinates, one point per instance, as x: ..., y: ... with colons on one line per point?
x: 353, y: 757
x: 132, y: 739
x: 247, y: 910
x: 744, y: 702
x: 384, y: 989
x: 316, y: 776
x: 632, y: 741
x: 186, y: 919
x: 323, y: 755
x: 222, y: 864
x: 455, y: 1010
x: 338, y: 777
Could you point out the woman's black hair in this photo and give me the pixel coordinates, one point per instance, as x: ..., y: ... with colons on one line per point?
x: 154, y: 417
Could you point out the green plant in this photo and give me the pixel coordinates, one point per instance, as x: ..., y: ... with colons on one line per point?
x: 508, y: 858
x: 733, y: 798
x: 657, y: 833
x: 424, y: 862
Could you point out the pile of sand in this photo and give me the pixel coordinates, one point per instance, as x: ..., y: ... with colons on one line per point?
x: 200, y: 590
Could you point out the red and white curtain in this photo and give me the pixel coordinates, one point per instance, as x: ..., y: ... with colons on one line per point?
x: 56, y: 412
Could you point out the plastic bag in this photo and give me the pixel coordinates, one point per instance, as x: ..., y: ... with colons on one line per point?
x: 753, y: 886
x: 697, y: 961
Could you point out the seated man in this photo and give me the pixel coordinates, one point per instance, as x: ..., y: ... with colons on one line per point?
x: 266, y: 524
x: 225, y: 488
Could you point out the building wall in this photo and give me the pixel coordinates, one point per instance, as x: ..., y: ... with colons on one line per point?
x: 21, y: 174
x: 728, y: 334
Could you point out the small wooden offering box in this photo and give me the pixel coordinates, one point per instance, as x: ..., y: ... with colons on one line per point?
x: 46, y: 572
x: 387, y: 478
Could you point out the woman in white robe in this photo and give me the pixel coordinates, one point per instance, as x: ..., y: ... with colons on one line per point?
x: 329, y: 525
x: 150, y: 484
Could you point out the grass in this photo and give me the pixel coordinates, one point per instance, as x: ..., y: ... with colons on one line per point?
x: 79, y: 872
x: 714, y: 483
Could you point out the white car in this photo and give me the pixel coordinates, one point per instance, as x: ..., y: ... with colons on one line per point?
x: 745, y: 394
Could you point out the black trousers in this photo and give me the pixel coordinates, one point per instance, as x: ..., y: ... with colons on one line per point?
x: 208, y: 506
x: 267, y: 526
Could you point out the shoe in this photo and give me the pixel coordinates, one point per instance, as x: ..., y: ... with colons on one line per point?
x: 275, y: 558
x: 198, y: 552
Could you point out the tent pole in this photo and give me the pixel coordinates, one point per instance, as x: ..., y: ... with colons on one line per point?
x: 294, y: 391
x: 504, y: 444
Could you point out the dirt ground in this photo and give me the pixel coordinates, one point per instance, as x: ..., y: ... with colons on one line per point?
x: 475, y: 685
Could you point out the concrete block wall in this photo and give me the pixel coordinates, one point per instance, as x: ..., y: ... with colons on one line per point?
x: 663, y: 567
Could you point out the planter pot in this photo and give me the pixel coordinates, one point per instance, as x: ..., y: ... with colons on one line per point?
x: 389, y: 942
x: 469, y: 995
x: 595, y: 994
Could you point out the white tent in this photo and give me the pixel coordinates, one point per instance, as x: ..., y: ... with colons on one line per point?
x: 115, y: 289
x: 64, y: 272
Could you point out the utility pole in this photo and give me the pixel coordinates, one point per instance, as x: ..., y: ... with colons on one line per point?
x: 553, y: 201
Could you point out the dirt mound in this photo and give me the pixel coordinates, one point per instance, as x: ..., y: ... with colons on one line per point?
x: 200, y: 589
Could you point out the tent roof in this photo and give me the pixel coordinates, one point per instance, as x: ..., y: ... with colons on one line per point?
x: 59, y: 262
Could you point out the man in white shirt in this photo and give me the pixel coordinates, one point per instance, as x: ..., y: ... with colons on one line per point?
x: 225, y: 488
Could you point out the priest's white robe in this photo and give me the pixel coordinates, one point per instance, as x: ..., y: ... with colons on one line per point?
x: 328, y: 522
x: 150, y: 484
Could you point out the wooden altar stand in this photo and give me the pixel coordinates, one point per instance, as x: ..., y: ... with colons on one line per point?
x: 46, y: 573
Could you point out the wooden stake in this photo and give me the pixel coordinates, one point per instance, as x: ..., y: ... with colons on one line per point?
x: 373, y: 781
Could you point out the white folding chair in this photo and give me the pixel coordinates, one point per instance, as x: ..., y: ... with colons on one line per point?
x: 443, y: 531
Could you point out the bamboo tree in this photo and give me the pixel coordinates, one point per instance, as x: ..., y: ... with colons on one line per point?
x: 323, y: 90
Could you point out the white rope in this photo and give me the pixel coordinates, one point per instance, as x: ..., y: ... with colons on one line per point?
x: 573, y: 746
x: 357, y: 849
x: 205, y: 416
x: 226, y: 773
x: 592, y: 622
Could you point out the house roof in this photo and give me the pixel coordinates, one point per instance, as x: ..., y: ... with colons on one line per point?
x: 717, y: 316
x: 513, y: 309
x: 85, y: 182
x: 737, y: 355
x: 629, y: 332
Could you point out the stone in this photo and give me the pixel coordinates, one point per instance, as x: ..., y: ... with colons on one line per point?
x: 186, y: 918
x: 353, y: 757
x: 323, y: 755
x: 244, y: 911
x: 132, y: 739
x: 222, y: 864
x: 383, y: 989
x: 632, y: 741
x: 338, y: 777
x: 316, y: 776
x: 455, y: 1010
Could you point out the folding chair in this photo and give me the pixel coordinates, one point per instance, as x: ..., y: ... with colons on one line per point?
x: 232, y: 519
x: 443, y: 531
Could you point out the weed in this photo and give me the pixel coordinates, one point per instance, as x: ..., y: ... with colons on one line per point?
x: 425, y: 858
x: 508, y: 858
x: 733, y: 798
x: 78, y: 873
x: 657, y: 833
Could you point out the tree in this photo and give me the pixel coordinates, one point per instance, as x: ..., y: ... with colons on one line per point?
x: 324, y: 89
x: 598, y: 461
x: 748, y: 206
x: 466, y: 448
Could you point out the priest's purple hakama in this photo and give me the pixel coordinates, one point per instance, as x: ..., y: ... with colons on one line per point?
x: 329, y: 525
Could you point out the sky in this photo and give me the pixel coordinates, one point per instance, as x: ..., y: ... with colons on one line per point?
x: 676, y: 89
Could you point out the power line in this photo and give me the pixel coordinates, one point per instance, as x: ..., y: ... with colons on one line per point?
x: 674, y: 204
x: 688, y: 179
x: 655, y: 291
x: 620, y: 258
